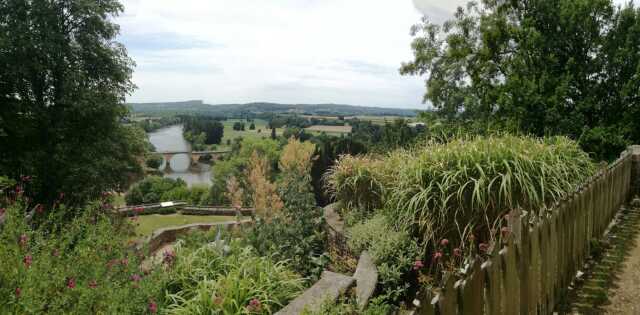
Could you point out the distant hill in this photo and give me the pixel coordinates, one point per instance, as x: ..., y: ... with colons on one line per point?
x: 239, y: 110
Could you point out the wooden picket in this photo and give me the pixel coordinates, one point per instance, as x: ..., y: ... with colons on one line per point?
x: 540, y: 259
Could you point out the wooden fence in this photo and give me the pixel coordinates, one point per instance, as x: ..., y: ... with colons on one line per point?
x: 541, y: 258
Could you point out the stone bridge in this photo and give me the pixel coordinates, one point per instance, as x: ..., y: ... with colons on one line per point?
x: 194, y: 155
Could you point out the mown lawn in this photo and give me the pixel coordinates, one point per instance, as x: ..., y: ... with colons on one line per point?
x: 261, y: 131
x: 146, y: 224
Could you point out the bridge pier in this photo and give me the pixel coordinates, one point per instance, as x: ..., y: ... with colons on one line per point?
x: 167, y: 161
x: 195, y: 157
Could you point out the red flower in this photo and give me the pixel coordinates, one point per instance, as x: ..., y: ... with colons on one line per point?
x: 25, y: 178
x: 505, y: 231
x: 71, y: 283
x: 18, y: 292
x: 153, y: 307
x: 27, y: 261
x: 484, y: 247
x: 457, y: 252
x: 93, y: 284
x: 18, y: 190
x: 254, y: 305
x: 23, y: 240
x: 437, y: 255
x: 417, y: 265
x: 444, y: 242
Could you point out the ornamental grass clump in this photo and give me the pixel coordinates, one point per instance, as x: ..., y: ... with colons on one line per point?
x: 452, y: 190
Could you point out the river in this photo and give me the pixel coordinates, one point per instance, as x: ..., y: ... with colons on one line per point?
x: 171, y: 139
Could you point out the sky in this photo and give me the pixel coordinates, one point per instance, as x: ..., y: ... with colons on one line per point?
x: 284, y: 51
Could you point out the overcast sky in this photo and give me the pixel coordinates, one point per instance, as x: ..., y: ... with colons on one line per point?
x: 287, y: 51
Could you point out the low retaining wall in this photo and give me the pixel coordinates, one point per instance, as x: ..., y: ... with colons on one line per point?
x: 192, y: 210
x: 168, y: 235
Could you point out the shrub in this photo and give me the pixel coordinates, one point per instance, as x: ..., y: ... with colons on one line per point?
x: 449, y: 189
x: 393, y: 251
x: 152, y: 189
x: 83, y: 267
x: 154, y: 161
x: 228, y: 279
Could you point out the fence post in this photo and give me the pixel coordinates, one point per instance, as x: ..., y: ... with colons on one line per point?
x: 635, y: 169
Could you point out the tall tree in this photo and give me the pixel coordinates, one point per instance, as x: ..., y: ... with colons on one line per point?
x: 565, y: 67
x: 63, y: 82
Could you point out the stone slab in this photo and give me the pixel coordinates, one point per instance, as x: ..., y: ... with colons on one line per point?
x: 330, y: 286
x: 366, y: 279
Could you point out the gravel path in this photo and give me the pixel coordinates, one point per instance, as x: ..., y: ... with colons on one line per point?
x: 625, y: 299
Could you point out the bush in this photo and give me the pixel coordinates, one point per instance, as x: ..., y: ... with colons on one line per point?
x: 393, y: 251
x: 83, y: 267
x: 153, y: 189
x: 229, y: 279
x: 450, y: 190
x: 154, y: 161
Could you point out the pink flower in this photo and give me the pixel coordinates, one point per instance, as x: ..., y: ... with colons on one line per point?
x: 254, y: 305
x: 437, y: 255
x: 417, y: 265
x: 18, y: 190
x: 39, y: 208
x: 444, y: 242
x: 457, y: 252
x: 18, y: 292
x: 55, y: 253
x: 25, y: 178
x: 2, y: 211
x: 505, y: 231
x: 138, y: 209
x: 136, y: 277
x: 124, y: 261
x: 27, y: 261
x: 93, y: 284
x: 153, y: 307
x: 61, y: 196
x: 484, y: 247
x: 168, y: 257
x: 71, y: 283
x: 23, y: 240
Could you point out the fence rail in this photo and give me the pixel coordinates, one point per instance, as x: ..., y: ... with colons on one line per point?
x: 531, y: 272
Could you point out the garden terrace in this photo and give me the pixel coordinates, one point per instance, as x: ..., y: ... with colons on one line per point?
x: 542, y: 252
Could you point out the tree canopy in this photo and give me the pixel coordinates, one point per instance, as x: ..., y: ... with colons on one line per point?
x: 63, y: 82
x: 543, y: 67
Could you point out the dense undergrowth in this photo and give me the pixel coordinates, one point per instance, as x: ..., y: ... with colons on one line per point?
x: 450, y: 199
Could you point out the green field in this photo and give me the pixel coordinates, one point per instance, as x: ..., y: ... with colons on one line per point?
x: 261, y: 131
x: 146, y: 224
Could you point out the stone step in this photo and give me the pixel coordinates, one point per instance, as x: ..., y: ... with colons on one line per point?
x: 328, y: 288
x: 366, y: 279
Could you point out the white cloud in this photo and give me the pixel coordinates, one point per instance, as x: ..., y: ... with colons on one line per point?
x: 290, y: 51
x: 293, y: 51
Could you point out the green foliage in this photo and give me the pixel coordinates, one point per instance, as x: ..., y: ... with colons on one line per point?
x: 155, y: 189
x: 296, y: 234
x: 80, y: 267
x: 63, y: 83
x: 547, y: 67
x: 393, y: 251
x: 202, y: 130
x: 154, y: 161
x: 448, y: 190
x: 349, y: 306
x: 225, y: 279
x: 236, y: 164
